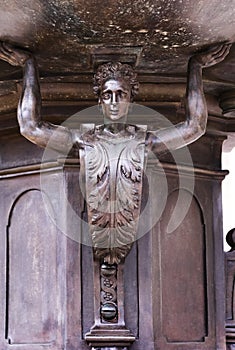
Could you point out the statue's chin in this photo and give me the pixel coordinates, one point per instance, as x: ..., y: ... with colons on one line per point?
x: 115, y: 118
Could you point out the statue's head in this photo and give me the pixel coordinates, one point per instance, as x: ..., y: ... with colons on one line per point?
x: 116, y: 85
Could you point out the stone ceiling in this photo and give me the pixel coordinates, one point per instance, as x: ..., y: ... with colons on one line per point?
x: 157, y: 35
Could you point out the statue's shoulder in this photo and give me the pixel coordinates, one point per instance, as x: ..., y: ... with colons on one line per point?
x: 87, y: 128
x: 138, y: 131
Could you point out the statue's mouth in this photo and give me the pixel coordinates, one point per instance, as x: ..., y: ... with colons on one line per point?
x: 115, y: 112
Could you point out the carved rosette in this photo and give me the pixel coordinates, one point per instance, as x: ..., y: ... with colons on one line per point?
x: 113, y: 167
x: 108, y: 284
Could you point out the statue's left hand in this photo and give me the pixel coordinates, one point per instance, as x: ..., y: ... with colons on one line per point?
x: 12, y: 55
x: 213, y: 55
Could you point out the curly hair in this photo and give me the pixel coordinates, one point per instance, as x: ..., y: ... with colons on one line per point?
x: 114, y: 71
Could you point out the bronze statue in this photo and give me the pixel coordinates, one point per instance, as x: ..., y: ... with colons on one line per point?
x: 116, y: 85
x: 112, y: 159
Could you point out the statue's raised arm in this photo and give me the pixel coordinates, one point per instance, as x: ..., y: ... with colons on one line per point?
x: 31, y: 124
x: 62, y: 139
x: 194, y: 126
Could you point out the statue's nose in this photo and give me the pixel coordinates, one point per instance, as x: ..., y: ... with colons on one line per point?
x: 114, y: 98
x: 114, y: 107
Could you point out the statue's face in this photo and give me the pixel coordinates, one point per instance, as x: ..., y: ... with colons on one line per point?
x: 115, y: 98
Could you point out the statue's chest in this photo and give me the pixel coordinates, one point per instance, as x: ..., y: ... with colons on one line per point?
x: 113, y: 166
x: 113, y: 172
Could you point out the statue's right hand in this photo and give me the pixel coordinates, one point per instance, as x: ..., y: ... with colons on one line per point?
x: 213, y: 55
x: 12, y: 55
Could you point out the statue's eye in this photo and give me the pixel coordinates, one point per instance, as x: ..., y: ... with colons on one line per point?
x: 122, y: 94
x: 106, y: 96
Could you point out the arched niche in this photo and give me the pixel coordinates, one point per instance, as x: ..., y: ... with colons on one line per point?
x: 31, y: 306
x: 183, y: 273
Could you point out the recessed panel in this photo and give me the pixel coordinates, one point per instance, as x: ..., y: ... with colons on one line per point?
x: 183, y: 275
x: 31, y: 294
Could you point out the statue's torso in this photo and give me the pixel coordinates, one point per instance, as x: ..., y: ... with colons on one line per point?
x: 113, y: 165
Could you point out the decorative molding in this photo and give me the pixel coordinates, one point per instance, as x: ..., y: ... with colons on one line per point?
x: 109, y: 329
x: 230, y: 280
x: 74, y: 162
x: 39, y: 168
x: 125, y: 54
x: 184, y: 170
x: 108, y: 293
